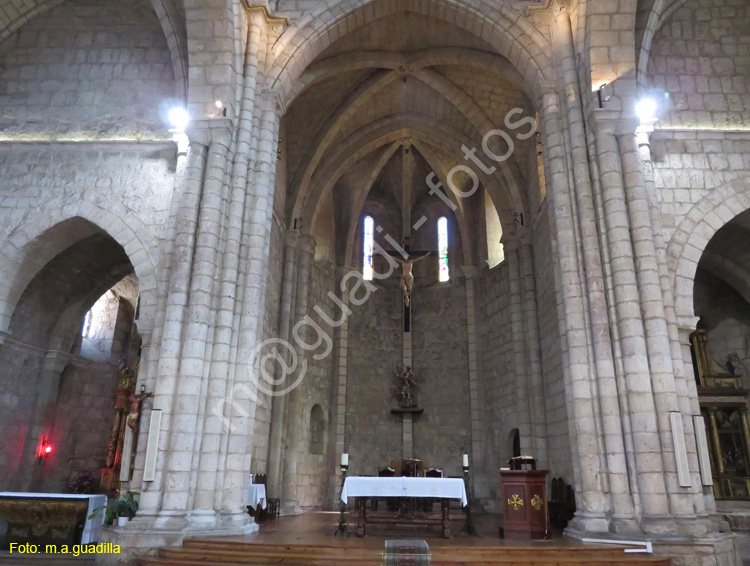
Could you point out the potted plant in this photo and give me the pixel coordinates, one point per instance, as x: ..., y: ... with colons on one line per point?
x: 121, y: 509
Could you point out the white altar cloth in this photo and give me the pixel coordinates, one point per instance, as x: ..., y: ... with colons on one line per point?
x: 439, y: 488
x: 256, y: 495
x: 92, y: 526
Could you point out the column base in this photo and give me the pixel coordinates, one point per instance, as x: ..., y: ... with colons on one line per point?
x: 144, y: 535
x: 290, y: 508
x: 584, y: 524
x: 712, y: 549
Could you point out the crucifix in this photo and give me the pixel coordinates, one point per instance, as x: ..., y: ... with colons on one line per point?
x: 405, y: 255
x: 407, y: 258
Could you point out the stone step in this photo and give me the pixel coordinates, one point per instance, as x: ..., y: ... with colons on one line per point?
x: 235, y: 553
x: 15, y: 559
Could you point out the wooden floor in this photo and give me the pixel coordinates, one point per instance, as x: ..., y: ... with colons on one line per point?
x: 307, y: 540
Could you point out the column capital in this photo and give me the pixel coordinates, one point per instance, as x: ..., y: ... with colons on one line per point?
x: 470, y: 271
x: 306, y: 243
x: 210, y: 130
x: 291, y: 238
x: 261, y: 12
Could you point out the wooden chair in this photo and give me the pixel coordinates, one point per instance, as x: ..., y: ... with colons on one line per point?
x: 562, y: 504
x: 272, y: 503
x: 428, y: 504
x: 386, y: 472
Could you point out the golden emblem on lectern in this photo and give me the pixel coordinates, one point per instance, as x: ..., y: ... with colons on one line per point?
x: 515, y: 502
x: 536, y: 503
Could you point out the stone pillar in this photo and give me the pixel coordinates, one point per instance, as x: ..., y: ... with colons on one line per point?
x: 295, y: 424
x: 511, y: 246
x: 209, y: 478
x: 591, y: 515
x: 247, y: 368
x: 280, y: 402
x: 341, y: 345
x: 482, y: 476
x: 604, y: 387
x: 647, y: 441
x: 652, y: 306
x: 184, y: 423
x: 170, y: 347
x: 687, y: 393
x: 533, y: 352
x: 151, y: 350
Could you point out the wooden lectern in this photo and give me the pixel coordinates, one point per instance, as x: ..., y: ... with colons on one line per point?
x: 524, y: 496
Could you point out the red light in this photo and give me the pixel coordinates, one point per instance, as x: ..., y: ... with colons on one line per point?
x: 47, y: 449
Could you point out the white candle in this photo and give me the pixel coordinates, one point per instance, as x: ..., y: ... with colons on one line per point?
x: 345, y: 459
x: 466, y: 460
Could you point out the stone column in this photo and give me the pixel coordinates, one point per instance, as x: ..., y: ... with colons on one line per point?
x: 151, y: 350
x: 687, y: 394
x: 281, y: 402
x: 591, y: 515
x: 604, y: 387
x: 341, y: 345
x: 289, y: 495
x: 176, y: 301
x: 511, y: 246
x: 533, y: 352
x: 654, y: 318
x: 647, y: 441
x: 684, y: 332
x: 482, y: 476
x: 183, y: 423
x: 218, y: 387
x: 246, y: 371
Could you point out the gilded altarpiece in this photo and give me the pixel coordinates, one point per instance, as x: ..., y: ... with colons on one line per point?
x: 724, y: 406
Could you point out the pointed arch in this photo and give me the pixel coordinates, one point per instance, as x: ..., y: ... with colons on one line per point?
x: 693, y: 234
x: 27, y: 250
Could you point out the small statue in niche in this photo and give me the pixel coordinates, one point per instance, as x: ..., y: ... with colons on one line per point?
x: 406, y: 387
x: 731, y: 364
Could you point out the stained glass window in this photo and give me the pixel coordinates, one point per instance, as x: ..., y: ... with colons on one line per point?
x: 442, y: 226
x: 367, y: 270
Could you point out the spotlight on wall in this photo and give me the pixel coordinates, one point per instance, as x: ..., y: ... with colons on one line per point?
x: 44, y: 449
x: 646, y: 109
x: 178, y: 118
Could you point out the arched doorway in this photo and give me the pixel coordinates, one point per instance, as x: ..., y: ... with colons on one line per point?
x: 72, y: 338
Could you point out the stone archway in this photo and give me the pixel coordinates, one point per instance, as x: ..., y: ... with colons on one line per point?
x: 693, y: 234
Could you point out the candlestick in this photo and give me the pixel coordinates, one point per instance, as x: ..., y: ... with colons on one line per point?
x: 466, y: 461
x: 345, y: 460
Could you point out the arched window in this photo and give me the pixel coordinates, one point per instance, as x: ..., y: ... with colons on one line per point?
x: 444, y: 270
x: 317, y: 430
x: 369, y: 229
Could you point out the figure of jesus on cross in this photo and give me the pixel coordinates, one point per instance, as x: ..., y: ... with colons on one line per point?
x: 407, y: 277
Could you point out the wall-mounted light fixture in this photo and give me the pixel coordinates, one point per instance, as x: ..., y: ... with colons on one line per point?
x: 44, y: 449
x: 178, y: 118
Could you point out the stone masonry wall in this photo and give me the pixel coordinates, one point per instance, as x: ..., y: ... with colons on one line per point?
x: 83, y: 422
x: 441, y: 365
x: 19, y: 384
x: 688, y: 165
x: 373, y: 435
x: 498, y: 374
x: 316, y: 390
x: 701, y: 57
x: 87, y: 70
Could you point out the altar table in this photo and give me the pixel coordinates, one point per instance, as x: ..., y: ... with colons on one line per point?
x: 256, y: 496
x: 22, y: 509
x: 443, y: 489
